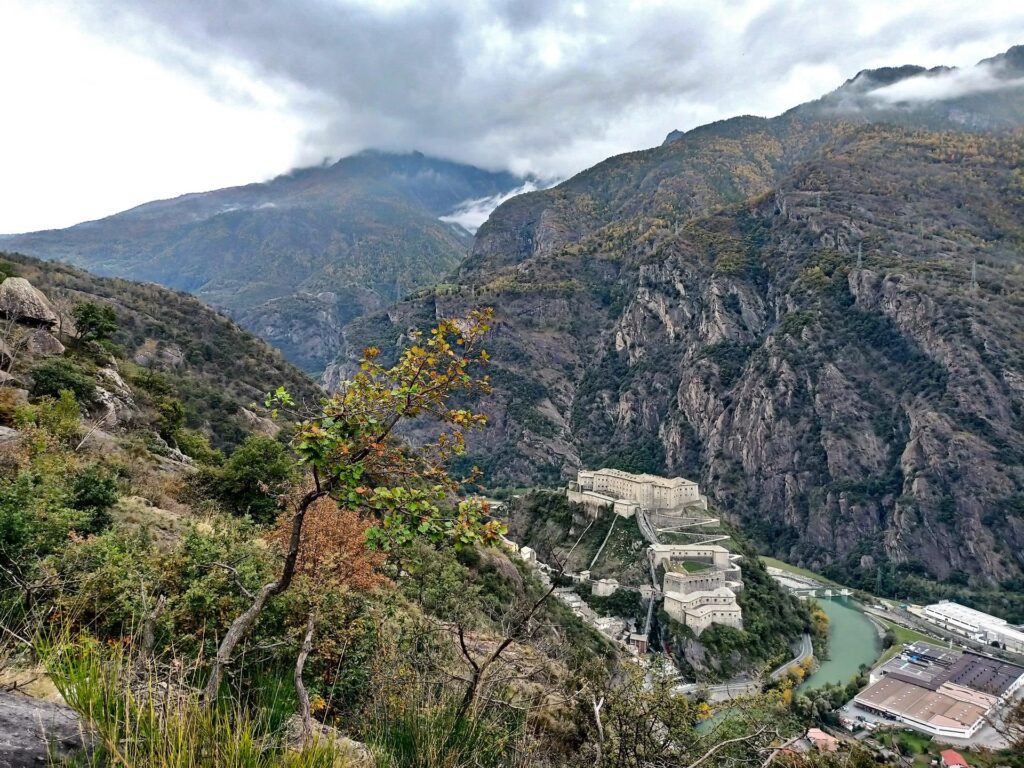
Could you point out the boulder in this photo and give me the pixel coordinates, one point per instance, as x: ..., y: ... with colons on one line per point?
x: 25, y: 304
x: 115, y: 399
x: 349, y: 752
x: 260, y: 424
x: 33, y: 731
x: 160, y: 355
x: 41, y: 343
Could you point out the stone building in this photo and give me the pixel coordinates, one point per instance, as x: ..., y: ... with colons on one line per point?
x: 699, y: 600
x: 628, y: 494
x: 604, y: 587
x: 710, y: 554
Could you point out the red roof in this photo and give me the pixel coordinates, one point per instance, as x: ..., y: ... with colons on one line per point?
x: 950, y: 757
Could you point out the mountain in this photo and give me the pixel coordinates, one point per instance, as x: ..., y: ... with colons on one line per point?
x: 295, y: 258
x: 784, y: 310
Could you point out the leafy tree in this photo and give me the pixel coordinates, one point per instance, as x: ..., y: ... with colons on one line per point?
x: 197, y: 446
x: 349, y: 452
x: 172, y: 417
x: 94, y: 492
x: 94, y: 322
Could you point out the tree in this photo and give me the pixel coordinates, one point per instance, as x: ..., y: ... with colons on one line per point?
x: 94, y: 322
x: 348, y: 451
x: 252, y: 480
x: 332, y: 555
x: 94, y: 492
x: 172, y: 417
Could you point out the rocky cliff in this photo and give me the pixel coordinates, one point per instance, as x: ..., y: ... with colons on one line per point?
x: 784, y: 310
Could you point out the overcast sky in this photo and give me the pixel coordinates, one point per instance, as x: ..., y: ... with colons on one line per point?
x: 109, y: 104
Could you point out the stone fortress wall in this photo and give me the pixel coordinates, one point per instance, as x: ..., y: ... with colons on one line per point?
x: 628, y: 493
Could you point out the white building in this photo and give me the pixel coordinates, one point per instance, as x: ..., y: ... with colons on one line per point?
x: 978, y: 626
x: 604, y: 587
x: 712, y: 554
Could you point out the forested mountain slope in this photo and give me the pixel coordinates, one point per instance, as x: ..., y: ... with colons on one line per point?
x: 295, y: 258
x: 784, y: 310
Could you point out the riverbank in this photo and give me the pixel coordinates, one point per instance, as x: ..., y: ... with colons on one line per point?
x: 853, y: 642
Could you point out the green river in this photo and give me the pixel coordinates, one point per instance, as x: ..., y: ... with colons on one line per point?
x: 852, y: 641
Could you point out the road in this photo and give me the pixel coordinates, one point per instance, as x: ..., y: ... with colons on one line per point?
x: 806, y: 651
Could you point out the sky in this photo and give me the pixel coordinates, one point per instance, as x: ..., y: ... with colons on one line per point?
x: 106, y: 105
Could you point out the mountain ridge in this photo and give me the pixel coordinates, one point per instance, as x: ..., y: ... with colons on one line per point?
x: 295, y: 257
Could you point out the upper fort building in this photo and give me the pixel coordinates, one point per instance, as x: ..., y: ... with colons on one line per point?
x: 628, y: 493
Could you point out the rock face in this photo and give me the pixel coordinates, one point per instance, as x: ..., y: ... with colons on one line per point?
x: 115, y: 399
x: 41, y: 343
x: 21, y: 302
x: 349, y: 752
x: 31, y: 730
x: 784, y: 311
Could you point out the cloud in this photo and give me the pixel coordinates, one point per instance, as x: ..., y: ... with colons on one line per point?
x: 946, y: 84
x: 542, y: 87
x: 471, y: 214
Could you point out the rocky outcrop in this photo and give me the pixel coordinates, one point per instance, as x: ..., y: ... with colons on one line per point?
x: 33, y: 731
x: 22, y: 303
x: 115, y: 400
x: 41, y: 343
x: 349, y: 753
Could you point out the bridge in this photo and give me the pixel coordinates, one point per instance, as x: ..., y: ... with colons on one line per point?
x: 820, y: 592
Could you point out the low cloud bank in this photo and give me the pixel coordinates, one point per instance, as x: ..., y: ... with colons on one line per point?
x: 471, y: 214
x: 948, y: 84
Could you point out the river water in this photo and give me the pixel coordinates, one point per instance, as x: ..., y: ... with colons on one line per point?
x: 852, y: 641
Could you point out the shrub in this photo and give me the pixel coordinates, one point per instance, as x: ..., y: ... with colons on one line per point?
x: 197, y: 446
x: 53, y: 376
x: 251, y: 479
x: 94, y: 492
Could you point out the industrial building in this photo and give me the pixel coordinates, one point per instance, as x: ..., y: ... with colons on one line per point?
x: 939, y: 691
x: 978, y: 626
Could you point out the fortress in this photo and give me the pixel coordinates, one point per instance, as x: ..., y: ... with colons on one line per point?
x: 701, y: 599
x: 628, y: 493
x: 701, y: 579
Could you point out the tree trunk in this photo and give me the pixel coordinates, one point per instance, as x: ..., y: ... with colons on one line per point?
x: 300, y: 687
x: 243, y: 623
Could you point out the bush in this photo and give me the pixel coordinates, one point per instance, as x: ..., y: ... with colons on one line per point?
x: 54, y: 376
x: 59, y: 417
x: 94, y: 492
x: 196, y: 445
x: 94, y: 322
x: 251, y: 479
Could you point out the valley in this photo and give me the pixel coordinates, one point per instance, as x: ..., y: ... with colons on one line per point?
x: 710, y: 454
x: 783, y: 310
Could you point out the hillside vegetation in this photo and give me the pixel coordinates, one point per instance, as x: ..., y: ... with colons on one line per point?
x: 327, y: 600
